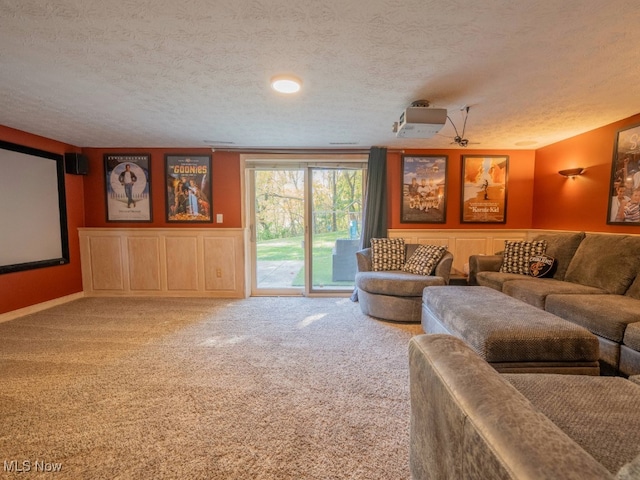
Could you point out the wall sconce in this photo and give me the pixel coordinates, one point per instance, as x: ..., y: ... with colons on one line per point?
x: 572, y: 172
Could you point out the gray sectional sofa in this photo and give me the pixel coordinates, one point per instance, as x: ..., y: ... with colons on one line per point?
x: 396, y: 295
x: 596, y: 285
x: 470, y: 422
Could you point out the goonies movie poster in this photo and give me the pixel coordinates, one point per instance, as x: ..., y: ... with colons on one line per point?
x: 188, y: 188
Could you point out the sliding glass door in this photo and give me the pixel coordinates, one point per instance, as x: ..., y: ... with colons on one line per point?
x: 304, y: 227
x: 336, y: 206
x: 278, y: 230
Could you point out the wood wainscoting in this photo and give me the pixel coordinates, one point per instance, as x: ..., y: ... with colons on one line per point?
x: 463, y: 243
x: 177, y: 262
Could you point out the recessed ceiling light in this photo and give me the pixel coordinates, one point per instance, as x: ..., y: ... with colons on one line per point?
x: 286, y: 83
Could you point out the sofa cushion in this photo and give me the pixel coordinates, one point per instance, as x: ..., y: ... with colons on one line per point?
x: 605, y: 261
x: 562, y: 247
x: 424, y: 259
x: 387, y: 254
x: 605, y: 315
x: 534, y: 291
x: 515, y: 258
x: 601, y: 414
x: 396, y: 283
x: 634, y: 290
x: 632, y: 335
x: 496, y: 280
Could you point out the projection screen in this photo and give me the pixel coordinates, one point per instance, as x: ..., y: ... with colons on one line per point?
x: 33, y: 220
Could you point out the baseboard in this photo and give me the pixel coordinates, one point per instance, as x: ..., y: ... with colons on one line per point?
x: 5, y: 317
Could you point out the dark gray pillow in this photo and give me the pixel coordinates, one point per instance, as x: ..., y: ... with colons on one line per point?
x: 562, y: 247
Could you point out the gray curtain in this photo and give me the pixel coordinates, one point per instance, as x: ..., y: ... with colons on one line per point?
x: 374, y: 215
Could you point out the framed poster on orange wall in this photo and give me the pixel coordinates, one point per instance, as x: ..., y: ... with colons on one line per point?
x: 624, y: 190
x: 188, y: 191
x: 424, y: 189
x: 128, y: 187
x: 484, y: 189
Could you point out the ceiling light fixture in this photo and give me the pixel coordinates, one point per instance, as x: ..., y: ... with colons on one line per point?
x: 286, y: 84
x: 572, y: 172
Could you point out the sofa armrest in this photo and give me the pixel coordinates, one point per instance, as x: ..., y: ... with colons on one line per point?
x: 467, y: 421
x: 443, y: 268
x: 483, y: 263
x: 363, y: 259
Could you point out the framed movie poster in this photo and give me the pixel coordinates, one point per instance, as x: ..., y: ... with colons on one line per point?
x: 188, y: 188
x: 128, y: 187
x: 424, y: 189
x: 484, y: 189
x: 624, y: 189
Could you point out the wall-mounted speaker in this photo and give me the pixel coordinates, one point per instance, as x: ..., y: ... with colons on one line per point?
x: 76, y: 164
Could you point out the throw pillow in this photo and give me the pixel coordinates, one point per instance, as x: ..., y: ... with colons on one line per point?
x: 424, y: 259
x: 562, y: 247
x: 387, y: 254
x: 516, y: 255
x: 542, y: 266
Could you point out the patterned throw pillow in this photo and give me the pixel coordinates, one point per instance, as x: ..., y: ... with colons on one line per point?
x: 387, y: 254
x: 516, y: 255
x: 424, y: 259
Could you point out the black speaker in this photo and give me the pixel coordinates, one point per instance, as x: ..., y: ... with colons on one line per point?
x: 76, y: 164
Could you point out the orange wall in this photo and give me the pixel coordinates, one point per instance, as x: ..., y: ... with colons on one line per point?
x: 580, y: 204
x: 226, y: 188
x: 519, y: 188
x: 22, y: 289
x: 537, y: 198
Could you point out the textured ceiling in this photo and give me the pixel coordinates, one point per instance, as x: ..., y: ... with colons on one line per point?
x: 190, y: 73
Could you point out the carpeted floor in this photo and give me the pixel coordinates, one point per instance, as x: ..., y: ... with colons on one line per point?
x: 262, y: 388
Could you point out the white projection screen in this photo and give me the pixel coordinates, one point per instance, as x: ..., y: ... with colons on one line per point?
x: 33, y: 220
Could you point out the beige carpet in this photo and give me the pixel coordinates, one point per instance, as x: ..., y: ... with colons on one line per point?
x: 262, y: 388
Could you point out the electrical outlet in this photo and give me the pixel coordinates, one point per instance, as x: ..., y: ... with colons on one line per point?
x: 219, y: 272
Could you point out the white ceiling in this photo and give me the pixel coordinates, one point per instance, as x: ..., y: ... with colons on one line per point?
x: 189, y: 73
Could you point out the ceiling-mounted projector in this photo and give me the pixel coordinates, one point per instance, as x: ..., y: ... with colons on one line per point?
x: 420, y: 121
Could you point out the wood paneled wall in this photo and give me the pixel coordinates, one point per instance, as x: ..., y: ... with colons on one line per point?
x: 212, y: 262
x: 163, y: 262
x: 463, y: 243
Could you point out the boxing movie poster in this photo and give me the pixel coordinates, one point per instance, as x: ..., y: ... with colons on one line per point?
x: 484, y: 189
x: 128, y: 187
x: 188, y: 188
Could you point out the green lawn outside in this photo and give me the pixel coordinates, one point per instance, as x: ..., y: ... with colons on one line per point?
x: 292, y: 249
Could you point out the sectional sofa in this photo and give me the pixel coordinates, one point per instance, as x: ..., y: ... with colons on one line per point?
x: 596, y: 284
x: 470, y: 422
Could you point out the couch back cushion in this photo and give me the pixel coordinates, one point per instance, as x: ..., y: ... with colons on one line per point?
x: 562, y: 247
x: 609, y: 262
x: 634, y: 289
